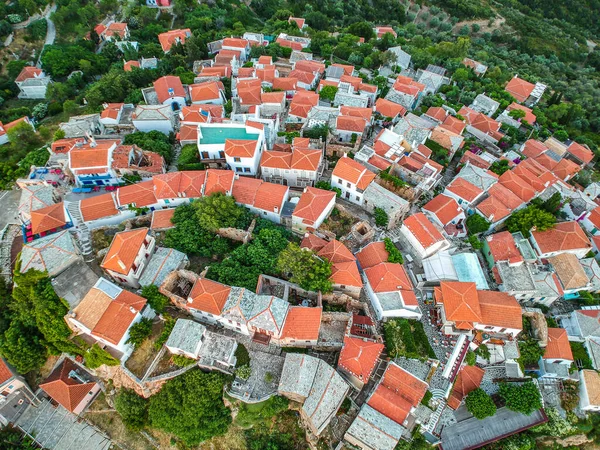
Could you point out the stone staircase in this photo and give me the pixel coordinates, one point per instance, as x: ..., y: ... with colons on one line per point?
x: 82, y: 232
x: 434, y: 419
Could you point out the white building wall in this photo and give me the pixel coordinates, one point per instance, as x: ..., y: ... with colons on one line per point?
x: 164, y: 126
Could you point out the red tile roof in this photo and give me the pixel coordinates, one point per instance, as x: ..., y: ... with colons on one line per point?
x: 240, y: 148
x: 562, y: 237
x: 313, y: 242
x: 168, y: 87
x: 352, y: 171
x: 97, y: 207
x: 290, y: 44
x: 397, y: 393
x: 204, y: 92
x: 139, y: 194
x: 463, y: 189
x: 388, y: 277
x: 48, y: 218
x: 235, y: 42
x: 270, y: 197
x: 445, y: 208
x: 437, y: 113
x: 312, y: 203
x: 285, y: 83
x: 129, y: 65
x: 373, y: 254
x: 118, y: 317
x: 423, y: 230
x: 336, y: 252
x: 302, y: 324
x: 276, y: 160
x: 306, y: 159
x: 581, y: 152
x: 389, y: 109
x: 453, y: 124
x: 27, y: 73
x: 346, y: 274
x: 476, y: 160
x: 519, y: 89
x: 503, y: 247
x: 350, y: 123
x: 168, y: 38
x: 500, y: 309
x: 533, y: 148
x: 218, y: 181
x: 179, y: 184
x: 161, y: 219
x: 460, y: 300
x: 468, y: 379
x: 529, y: 116
x: 517, y: 185
x: 123, y: 250
x: 558, y: 345
x: 208, y: 296
x: 5, y: 372
x: 65, y: 390
x: 359, y: 357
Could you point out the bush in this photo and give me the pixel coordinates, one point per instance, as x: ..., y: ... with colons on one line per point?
x: 182, y: 361
x: 524, y: 398
x: 166, y: 332
x: 484, y: 352
x: 242, y: 356
x: 37, y: 29
x: 140, y: 331
x: 471, y: 358
x: 156, y: 300
x: 243, y: 372
x: 381, y: 217
x: 252, y: 414
x: 96, y: 357
x: 189, y: 159
x: 132, y: 408
x: 477, y: 224
x: 480, y: 404
x: 394, y: 255
x: 530, y: 352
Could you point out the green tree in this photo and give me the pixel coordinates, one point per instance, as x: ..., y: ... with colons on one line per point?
x: 551, y: 205
x: 140, y: 331
x: 217, y: 211
x: 157, y: 301
x: 327, y: 93
x: 132, y: 408
x: 96, y: 357
x: 394, y: 255
x: 189, y: 158
x: 517, y: 114
x: 471, y: 358
x: 477, y: 224
x: 480, y: 404
x: 500, y: 165
x: 191, y: 407
x: 530, y: 352
x: 527, y: 218
x: 305, y: 268
x: 23, y: 348
x: 524, y: 398
x: 381, y: 217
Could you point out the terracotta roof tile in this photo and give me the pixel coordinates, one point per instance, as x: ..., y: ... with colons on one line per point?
x: 169, y: 38
x: 240, y: 148
x: 389, y: 109
x: 581, y: 152
x: 460, y: 300
x: 558, y: 345
x: 517, y: 185
x: 397, y: 393
x: 519, y: 89
x: 276, y: 160
x: 5, y: 372
x: 562, y: 237
x: 123, y: 250
x: 359, y: 357
x: 352, y: 171
x: 371, y: 255
x: 475, y: 160
x: 468, y: 379
x: 27, y: 73
x: 161, y: 219
x: 569, y: 271
x: 423, y: 230
x: 453, y: 124
x: 306, y: 159
x: 312, y: 203
x: 533, y: 148
x: 437, y: 113
x: 500, y: 309
x: 118, y: 317
x: 529, y: 116
x: 313, y: 242
x: 388, y: 277
x: 139, y: 194
x: 168, y: 87
x: 445, y: 208
x: 346, y: 274
x: 302, y: 324
x: 336, y: 252
x: 208, y: 296
x: 285, y: 83
x: 218, y: 181
x: 503, y: 247
x: 205, y: 92
x: 180, y: 184
x: 270, y: 197
x: 463, y: 189
x: 65, y: 390
x: 97, y: 207
x: 129, y: 65
x: 48, y: 218
x: 493, y: 209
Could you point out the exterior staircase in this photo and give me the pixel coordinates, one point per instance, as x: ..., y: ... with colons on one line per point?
x: 82, y: 232
x: 434, y: 419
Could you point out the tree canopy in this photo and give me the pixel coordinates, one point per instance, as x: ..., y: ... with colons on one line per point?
x: 527, y: 218
x: 480, y: 404
x: 191, y: 407
x: 524, y: 398
x: 132, y: 408
x: 217, y: 211
x: 305, y: 268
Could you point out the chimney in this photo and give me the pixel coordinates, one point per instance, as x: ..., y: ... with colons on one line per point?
x: 133, y: 311
x: 92, y: 141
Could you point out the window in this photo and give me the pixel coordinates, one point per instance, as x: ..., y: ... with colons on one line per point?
x: 238, y: 169
x: 340, y: 181
x: 236, y: 159
x: 222, y: 155
x: 358, y: 198
x: 247, y: 169
x: 348, y: 185
x: 205, y: 155
x: 167, y: 201
x: 264, y: 213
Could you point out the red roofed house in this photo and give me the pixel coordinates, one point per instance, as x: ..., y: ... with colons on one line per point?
x: 68, y: 386
x: 358, y: 359
x: 463, y: 191
x: 299, y: 168
x: 558, y: 356
x: 525, y: 92
x: 579, y: 153
x: 424, y: 237
x: 406, y: 92
x: 312, y: 209
x: 564, y: 237
x: 32, y: 82
x: 483, y: 127
x: 349, y: 128
x: 301, y: 105
x: 169, y: 38
x: 387, y: 284
x: 389, y: 109
x: 264, y: 199
x: 301, y: 327
x: 239, y: 45
x: 398, y: 394
x: 128, y: 256
x: 298, y: 21
x: 344, y: 271
x: 208, y: 92
x: 352, y: 178
x: 501, y: 247
x: 446, y: 212
x: 380, y: 31
x: 106, y: 314
x: 465, y: 310
x: 91, y: 163
x: 169, y: 91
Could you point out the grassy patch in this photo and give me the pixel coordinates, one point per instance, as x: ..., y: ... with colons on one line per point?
x: 405, y: 337
x: 580, y: 354
x: 144, y: 354
x: 339, y: 223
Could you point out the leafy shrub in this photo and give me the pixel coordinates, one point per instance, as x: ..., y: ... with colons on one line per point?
x: 140, y: 331
x: 381, y: 217
x: 166, y: 332
x: 524, y: 398
x: 132, y: 408
x: 471, y: 358
x: 243, y: 372
x: 182, y: 361
x: 189, y: 159
x: 242, y: 356
x: 96, y: 357
x: 477, y: 224
x: 480, y: 404
x: 394, y: 255
x: 37, y: 29
x: 156, y: 300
